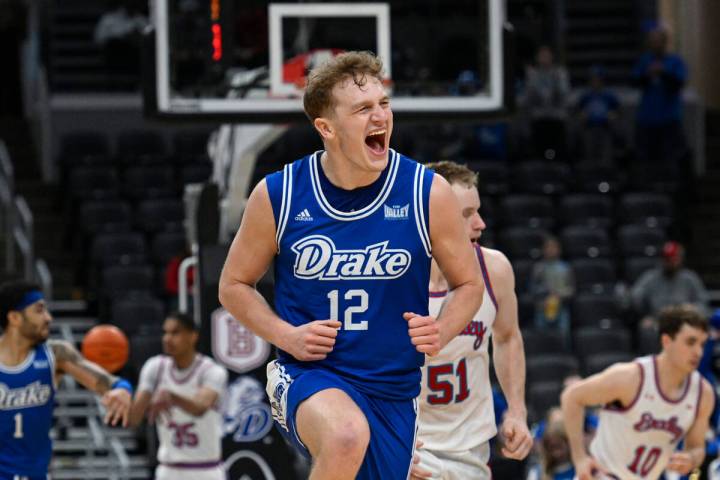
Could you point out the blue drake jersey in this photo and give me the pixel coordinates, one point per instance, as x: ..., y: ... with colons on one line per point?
x: 364, y: 268
x: 27, y: 396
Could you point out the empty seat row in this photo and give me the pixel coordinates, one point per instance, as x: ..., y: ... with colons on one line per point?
x: 593, y: 275
x: 150, y: 216
x: 520, y: 243
x: 132, y: 143
x: 556, y: 178
x: 94, y: 182
x: 538, y: 211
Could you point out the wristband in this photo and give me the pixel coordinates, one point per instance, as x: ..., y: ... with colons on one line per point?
x: 122, y: 383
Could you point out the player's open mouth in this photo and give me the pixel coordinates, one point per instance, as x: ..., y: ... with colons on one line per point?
x: 376, y: 141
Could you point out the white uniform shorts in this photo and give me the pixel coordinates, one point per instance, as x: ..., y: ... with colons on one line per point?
x: 461, y: 465
x: 164, y: 472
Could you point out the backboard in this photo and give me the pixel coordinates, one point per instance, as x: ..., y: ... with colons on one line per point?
x: 246, y: 60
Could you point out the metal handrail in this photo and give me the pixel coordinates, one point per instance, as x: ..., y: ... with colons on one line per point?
x: 7, y: 193
x: 185, y: 265
x: 23, y: 234
x: 44, y: 277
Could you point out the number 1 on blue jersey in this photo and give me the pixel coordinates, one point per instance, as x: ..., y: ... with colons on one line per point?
x: 18, y: 426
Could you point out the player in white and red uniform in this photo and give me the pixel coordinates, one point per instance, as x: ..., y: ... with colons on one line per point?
x: 649, y: 406
x: 457, y: 418
x: 181, y: 392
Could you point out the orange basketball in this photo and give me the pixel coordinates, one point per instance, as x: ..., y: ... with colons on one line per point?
x: 107, y: 346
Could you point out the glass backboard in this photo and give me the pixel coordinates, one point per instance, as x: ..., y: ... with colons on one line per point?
x: 246, y: 60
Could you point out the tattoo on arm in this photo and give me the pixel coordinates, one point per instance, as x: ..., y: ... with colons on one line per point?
x: 68, y: 360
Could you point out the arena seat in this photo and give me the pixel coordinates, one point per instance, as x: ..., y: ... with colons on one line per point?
x: 523, y: 272
x: 166, y: 245
x: 543, y: 342
x: 596, y: 363
x: 594, y: 275
x: 522, y: 242
x: 638, y: 240
x: 129, y: 314
x: 553, y: 367
x: 534, y: 211
x: 492, y: 176
x: 541, y: 177
x: 584, y: 242
x: 149, y: 181
x: 589, y: 177
x: 195, y: 173
x: 118, y: 249
x: 542, y: 396
x: 593, y: 340
x: 93, y: 182
x: 105, y: 216
x: 633, y: 267
x: 159, y: 215
x: 134, y: 143
x: 119, y: 281
x: 653, y: 210
x: 593, y: 310
x: 590, y: 209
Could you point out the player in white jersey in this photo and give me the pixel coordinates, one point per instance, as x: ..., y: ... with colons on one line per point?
x: 457, y: 418
x: 649, y: 406
x: 181, y: 392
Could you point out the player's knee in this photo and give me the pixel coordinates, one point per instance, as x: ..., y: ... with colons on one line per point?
x: 349, y: 438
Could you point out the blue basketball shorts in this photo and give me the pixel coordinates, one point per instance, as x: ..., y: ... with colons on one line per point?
x: 393, y: 424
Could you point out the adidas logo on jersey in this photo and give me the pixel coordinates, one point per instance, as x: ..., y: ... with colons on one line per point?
x: 396, y: 212
x: 28, y: 396
x: 317, y: 257
x: 304, y: 216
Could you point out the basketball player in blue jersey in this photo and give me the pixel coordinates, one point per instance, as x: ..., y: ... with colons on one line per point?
x: 352, y: 230
x: 30, y: 365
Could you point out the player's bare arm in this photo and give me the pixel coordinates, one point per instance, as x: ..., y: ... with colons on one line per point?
x: 93, y: 377
x: 618, y: 383
x: 456, y: 258
x: 203, y: 400
x: 509, y: 356
x: 250, y: 255
x: 693, y: 453
x: 139, y: 406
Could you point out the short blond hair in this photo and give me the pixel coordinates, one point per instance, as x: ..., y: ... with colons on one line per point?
x: 455, y: 173
x: 358, y: 66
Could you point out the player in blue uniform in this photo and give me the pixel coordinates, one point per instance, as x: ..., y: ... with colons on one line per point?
x: 29, y: 368
x: 352, y: 230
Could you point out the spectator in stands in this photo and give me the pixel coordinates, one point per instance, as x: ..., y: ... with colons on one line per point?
x: 669, y: 284
x: 552, y: 285
x: 598, y: 109
x: 118, y: 33
x: 546, y: 93
x: 547, y: 86
x: 661, y: 76
x: 554, y: 453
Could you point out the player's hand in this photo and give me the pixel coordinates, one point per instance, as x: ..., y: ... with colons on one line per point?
x: 159, y: 406
x: 417, y: 472
x: 517, y: 441
x: 424, y: 333
x: 587, y: 468
x: 681, y: 462
x: 313, y: 341
x: 117, y: 406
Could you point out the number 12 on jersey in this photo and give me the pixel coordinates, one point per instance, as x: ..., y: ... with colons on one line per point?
x: 359, y: 299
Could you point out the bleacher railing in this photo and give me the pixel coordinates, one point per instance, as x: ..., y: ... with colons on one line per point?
x: 17, y: 223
